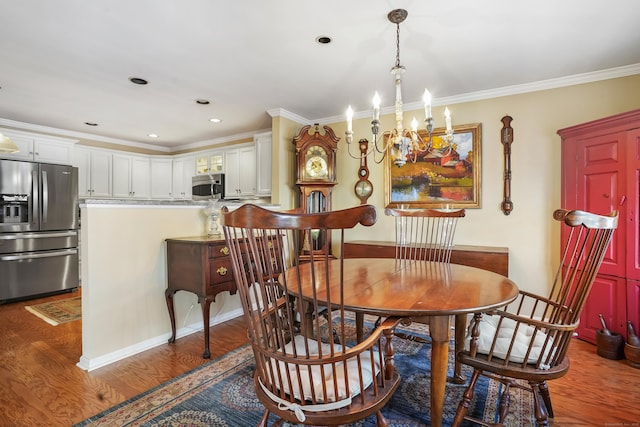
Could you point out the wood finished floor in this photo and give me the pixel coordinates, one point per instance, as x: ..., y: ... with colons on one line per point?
x: 40, y: 384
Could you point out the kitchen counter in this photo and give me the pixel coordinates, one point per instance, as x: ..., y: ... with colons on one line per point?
x: 177, y: 202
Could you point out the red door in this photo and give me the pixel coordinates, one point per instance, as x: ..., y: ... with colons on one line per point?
x: 600, y: 188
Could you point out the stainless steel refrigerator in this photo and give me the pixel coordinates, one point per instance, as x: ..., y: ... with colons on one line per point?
x: 38, y: 229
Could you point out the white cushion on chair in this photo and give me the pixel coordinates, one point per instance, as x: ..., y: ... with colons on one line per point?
x: 352, y: 370
x: 489, y: 327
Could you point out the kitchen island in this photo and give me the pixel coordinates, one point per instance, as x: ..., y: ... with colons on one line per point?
x: 124, y: 277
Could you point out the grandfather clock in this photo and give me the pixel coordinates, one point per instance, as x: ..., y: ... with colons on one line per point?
x: 315, y: 176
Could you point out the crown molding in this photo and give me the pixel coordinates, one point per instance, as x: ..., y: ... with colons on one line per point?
x: 611, y: 73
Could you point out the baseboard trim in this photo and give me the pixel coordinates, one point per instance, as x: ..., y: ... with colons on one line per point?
x: 90, y: 364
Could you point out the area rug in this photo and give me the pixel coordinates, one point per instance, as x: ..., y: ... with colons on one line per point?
x: 59, y: 311
x: 221, y: 393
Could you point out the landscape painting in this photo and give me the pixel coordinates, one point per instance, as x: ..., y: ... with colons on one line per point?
x: 447, y: 176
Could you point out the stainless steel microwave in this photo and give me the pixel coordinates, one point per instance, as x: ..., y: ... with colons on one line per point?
x: 205, y: 187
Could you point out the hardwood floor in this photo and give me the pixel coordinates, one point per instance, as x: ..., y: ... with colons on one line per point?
x: 40, y: 384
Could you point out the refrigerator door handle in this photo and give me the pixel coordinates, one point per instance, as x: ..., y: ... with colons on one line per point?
x: 37, y: 235
x: 45, y: 196
x: 35, y: 200
x: 35, y: 255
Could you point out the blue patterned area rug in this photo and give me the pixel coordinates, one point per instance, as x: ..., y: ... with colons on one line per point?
x: 221, y: 393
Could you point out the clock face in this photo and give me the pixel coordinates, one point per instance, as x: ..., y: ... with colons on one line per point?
x: 316, y: 165
x: 363, y: 188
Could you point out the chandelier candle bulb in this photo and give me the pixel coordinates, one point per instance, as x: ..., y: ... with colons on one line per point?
x: 447, y: 118
x: 376, y: 106
x: 414, y: 125
x: 349, y: 120
x: 427, y: 104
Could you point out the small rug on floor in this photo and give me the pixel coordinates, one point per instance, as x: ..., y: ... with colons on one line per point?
x: 59, y: 311
x: 221, y: 393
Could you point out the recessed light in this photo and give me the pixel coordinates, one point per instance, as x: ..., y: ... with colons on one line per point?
x: 323, y: 39
x: 202, y: 102
x: 215, y: 120
x: 138, y: 80
x: 153, y: 135
x: 90, y: 124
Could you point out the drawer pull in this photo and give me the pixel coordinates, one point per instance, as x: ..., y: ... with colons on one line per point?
x: 221, y: 271
x: 224, y: 250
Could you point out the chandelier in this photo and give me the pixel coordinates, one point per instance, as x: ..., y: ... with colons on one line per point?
x: 400, y: 143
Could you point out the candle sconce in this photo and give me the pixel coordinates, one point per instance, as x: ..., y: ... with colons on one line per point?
x: 506, y: 136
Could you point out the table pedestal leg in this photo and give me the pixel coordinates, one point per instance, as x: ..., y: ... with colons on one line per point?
x: 439, y: 331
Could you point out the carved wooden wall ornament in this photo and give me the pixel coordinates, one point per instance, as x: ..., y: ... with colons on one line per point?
x: 507, y: 138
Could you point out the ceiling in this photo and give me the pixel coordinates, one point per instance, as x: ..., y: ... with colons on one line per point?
x: 65, y: 63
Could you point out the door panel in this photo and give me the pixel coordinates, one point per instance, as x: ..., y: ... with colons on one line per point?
x: 632, y: 207
x: 606, y: 297
x: 59, y: 195
x: 600, y: 166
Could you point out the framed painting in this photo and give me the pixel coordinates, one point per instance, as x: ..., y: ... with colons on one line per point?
x: 446, y: 177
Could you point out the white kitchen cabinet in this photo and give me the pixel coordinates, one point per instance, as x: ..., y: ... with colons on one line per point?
x: 131, y: 176
x: 94, y: 172
x: 209, y: 162
x: 240, y: 172
x: 183, y: 171
x: 40, y: 148
x: 263, y: 162
x: 161, y: 178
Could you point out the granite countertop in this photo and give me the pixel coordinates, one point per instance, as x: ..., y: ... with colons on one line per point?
x: 178, y: 202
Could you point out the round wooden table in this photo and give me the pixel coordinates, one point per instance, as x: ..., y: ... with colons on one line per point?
x: 386, y: 287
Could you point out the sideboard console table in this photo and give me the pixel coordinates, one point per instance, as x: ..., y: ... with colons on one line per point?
x: 200, y: 265
x: 490, y: 258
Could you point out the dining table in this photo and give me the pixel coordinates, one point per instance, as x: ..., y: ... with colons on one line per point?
x: 389, y: 287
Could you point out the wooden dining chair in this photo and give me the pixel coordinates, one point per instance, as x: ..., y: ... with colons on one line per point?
x: 525, y: 344
x: 309, y: 368
x: 427, y: 235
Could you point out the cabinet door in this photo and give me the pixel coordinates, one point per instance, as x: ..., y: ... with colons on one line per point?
x: 607, y: 297
x: 161, y: 178
x: 600, y: 188
x: 140, y: 178
x: 183, y: 171
x: 24, y: 144
x: 209, y: 163
x: 231, y: 174
x: 121, y: 176
x: 263, y: 164
x: 82, y: 160
x: 52, y: 152
x: 100, y: 173
x: 632, y: 207
x: 247, y: 171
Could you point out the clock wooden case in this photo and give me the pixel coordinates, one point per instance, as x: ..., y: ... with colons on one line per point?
x: 316, y: 177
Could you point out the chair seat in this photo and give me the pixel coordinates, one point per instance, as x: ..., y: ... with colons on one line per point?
x: 512, y: 369
x: 314, y: 381
x: 506, y: 335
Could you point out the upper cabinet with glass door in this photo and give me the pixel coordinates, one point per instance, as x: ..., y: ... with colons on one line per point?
x: 207, y: 163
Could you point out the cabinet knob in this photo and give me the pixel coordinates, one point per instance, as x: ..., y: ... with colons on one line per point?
x: 221, y: 271
x: 224, y: 250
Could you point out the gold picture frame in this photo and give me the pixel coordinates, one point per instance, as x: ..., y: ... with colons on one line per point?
x: 442, y: 178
